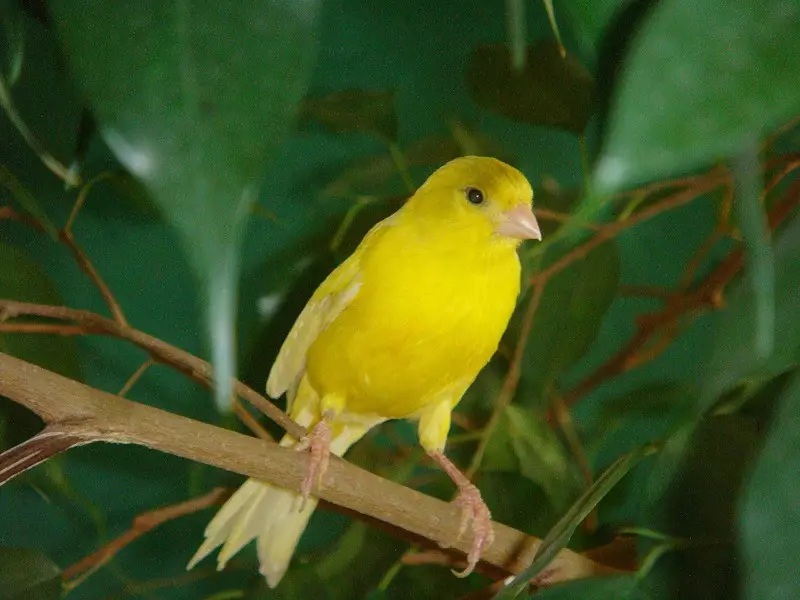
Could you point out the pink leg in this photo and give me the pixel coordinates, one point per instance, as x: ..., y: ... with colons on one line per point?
x: 473, y: 508
x: 319, y: 442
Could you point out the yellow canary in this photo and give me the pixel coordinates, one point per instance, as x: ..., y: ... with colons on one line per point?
x: 399, y: 330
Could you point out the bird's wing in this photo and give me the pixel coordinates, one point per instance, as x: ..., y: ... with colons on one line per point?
x: 327, y: 302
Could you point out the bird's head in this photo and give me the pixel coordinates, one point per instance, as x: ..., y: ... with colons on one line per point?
x: 479, y: 196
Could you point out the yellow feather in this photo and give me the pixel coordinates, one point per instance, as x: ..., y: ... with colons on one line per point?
x: 399, y: 330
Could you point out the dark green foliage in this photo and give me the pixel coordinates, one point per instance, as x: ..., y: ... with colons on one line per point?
x: 267, y: 138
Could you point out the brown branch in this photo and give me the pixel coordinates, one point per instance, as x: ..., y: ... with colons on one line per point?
x: 87, y: 267
x: 142, y: 524
x: 43, y: 328
x: 665, y: 322
x: 137, y: 374
x: 701, y: 185
x: 159, y: 350
x: 98, y: 416
x: 51, y: 441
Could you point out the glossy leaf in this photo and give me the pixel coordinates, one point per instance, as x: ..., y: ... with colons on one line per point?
x: 541, y: 456
x: 550, y: 90
x: 28, y: 575
x: 209, y: 90
x: 700, y: 81
x: 570, y: 314
x: 770, y: 530
x: 349, y: 111
x: 23, y: 280
x: 559, y: 536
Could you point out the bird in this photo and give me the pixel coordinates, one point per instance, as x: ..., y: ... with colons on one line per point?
x: 399, y: 330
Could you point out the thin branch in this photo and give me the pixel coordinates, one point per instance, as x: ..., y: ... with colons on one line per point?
x: 99, y: 416
x: 135, y: 377
x: 702, y: 185
x: 143, y: 523
x: 664, y: 322
x: 252, y: 424
x: 43, y: 328
x: 159, y: 350
x: 87, y: 267
x: 81, y: 199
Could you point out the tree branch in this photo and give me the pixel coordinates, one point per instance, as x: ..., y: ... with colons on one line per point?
x: 98, y: 416
x: 159, y: 350
x: 141, y: 525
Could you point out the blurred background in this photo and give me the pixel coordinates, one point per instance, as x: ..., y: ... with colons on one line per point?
x: 253, y: 144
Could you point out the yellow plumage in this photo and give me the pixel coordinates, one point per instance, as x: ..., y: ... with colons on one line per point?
x: 399, y: 330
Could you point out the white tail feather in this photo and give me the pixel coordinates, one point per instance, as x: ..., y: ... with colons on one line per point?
x: 270, y: 514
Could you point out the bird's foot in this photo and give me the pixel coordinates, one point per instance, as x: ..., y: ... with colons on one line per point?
x: 475, y: 511
x: 318, y: 441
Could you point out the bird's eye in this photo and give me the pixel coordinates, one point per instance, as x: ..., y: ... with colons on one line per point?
x: 475, y: 196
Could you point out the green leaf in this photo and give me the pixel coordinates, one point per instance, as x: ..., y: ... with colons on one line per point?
x: 570, y: 314
x: 559, y: 536
x: 700, y: 81
x: 770, y: 530
x: 355, y: 111
x: 13, y: 21
x: 754, y: 228
x: 28, y: 575
x: 208, y: 91
x: 615, y: 587
x: 550, y: 90
x: 23, y: 280
x: 523, y: 442
x: 27, y: 201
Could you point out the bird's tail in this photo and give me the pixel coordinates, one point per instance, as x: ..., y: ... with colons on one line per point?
x: 270, y: 514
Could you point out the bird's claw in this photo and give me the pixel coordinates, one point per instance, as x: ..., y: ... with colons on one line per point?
x: 318, y: 441
x: 474, y: 509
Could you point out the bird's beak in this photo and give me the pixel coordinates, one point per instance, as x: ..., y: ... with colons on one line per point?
x: 519, y: 223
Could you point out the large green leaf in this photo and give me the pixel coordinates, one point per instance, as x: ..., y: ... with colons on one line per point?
x: 28, y: 575
x: 208, y: 90
x: 701, y: 80
x: 551, y: 89
x: 770, y: 529
x: 570, y: 314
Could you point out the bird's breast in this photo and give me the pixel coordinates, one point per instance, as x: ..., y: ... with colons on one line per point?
x: 421, y: 323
